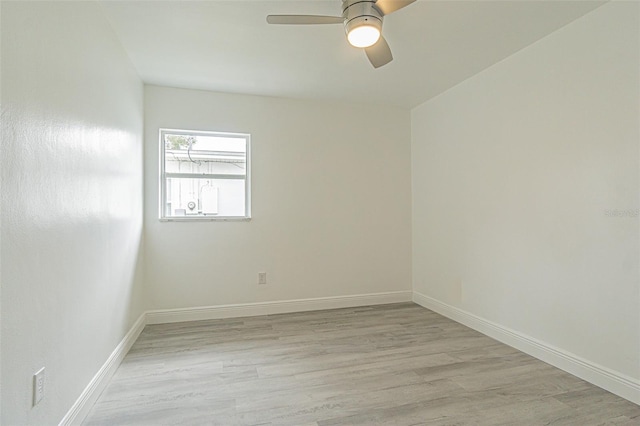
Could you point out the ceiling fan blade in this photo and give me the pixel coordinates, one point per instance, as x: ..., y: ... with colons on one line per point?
x: 380, y: 53
x: 304, y: 19
x: 390, y: 6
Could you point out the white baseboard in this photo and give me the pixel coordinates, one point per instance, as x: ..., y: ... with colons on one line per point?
x: 603, y: 377
x: 277, y: 307
x: 83, y: 404
x: 615, y: 382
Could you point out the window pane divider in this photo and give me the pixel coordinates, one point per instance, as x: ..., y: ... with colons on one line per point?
x: 203, y: 176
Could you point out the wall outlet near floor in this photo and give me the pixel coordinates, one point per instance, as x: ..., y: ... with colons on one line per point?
x: 38, y: 386
x: 262, y: 278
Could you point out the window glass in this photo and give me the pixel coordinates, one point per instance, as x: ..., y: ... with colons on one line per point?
x: 204, y: 175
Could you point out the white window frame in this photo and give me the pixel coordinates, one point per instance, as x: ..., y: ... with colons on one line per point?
x: 163, y: 177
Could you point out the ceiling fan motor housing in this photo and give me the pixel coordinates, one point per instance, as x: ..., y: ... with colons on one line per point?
x: 361, y: 12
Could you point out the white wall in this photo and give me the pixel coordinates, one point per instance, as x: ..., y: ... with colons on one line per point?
x: 513, y: 171
x: 330, y: 203
x: 71, y: 202
x: 1, y: 174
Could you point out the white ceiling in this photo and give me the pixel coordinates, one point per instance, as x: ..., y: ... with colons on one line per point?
x: 227, y: 46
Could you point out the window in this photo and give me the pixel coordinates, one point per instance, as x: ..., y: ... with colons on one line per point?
x: 204, y: 175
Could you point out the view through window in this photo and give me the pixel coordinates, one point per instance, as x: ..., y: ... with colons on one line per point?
x: 204, y: 175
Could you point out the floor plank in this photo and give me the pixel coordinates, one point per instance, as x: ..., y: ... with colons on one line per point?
x: 396, y: 364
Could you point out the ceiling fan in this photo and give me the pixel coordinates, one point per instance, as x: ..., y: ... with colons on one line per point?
x: 362, y: 20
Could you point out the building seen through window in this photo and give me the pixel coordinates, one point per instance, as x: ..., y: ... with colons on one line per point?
x: 204, y: 175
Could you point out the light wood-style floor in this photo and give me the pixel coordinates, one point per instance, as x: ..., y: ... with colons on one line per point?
x: 395, y: 364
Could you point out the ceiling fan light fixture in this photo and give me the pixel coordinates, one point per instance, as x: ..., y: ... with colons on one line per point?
x: 363, y: 36
x: 363, y: 30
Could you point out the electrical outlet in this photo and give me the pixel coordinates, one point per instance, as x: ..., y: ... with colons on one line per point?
x: 38, y: 386
x: 262, y: 278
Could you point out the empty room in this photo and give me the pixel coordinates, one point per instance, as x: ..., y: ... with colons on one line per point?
x: 320, y: 212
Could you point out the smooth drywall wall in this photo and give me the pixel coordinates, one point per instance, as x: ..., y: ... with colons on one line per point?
x: 1, y: 156
x: 331, y: 207
x: 525, y: 191
x: 71, y: 202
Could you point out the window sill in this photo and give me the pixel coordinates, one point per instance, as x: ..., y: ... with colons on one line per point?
x: 206, y: 219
